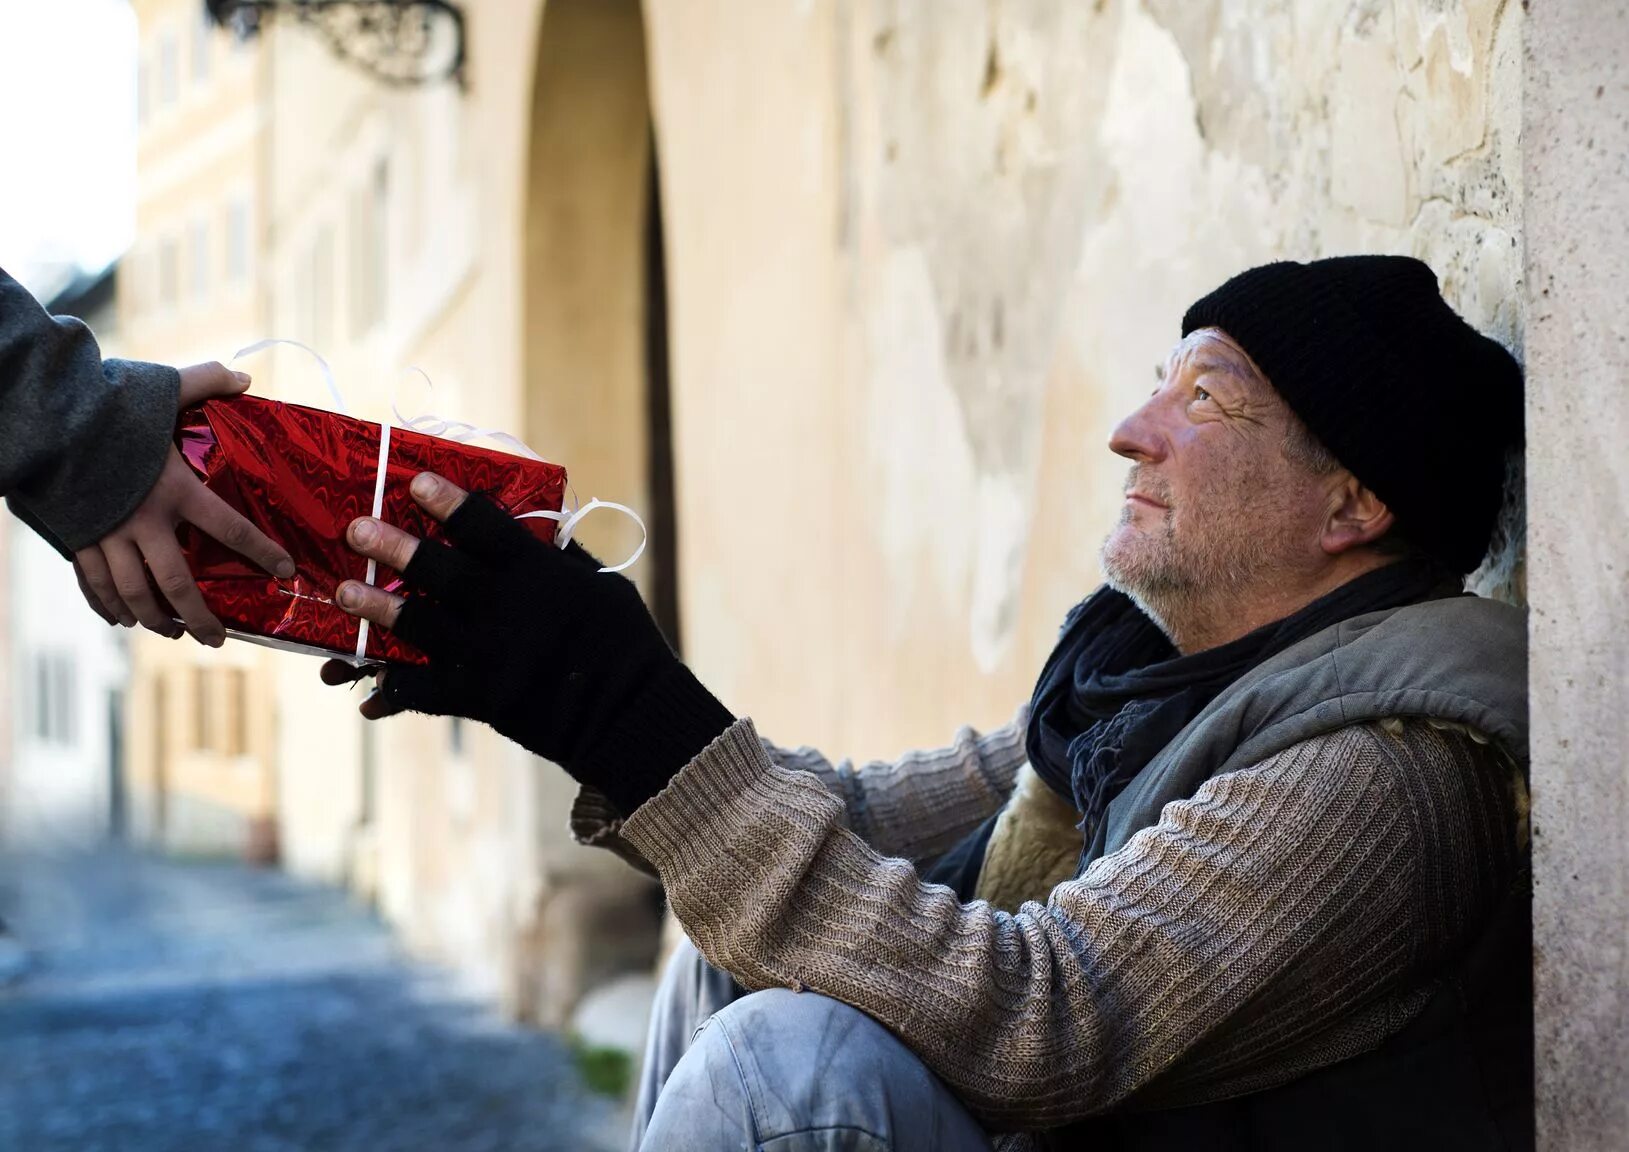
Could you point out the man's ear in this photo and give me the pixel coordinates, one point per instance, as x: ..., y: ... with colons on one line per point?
x: 1357, y: 517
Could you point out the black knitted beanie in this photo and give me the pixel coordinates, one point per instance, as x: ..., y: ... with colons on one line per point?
x: 1421, y: 407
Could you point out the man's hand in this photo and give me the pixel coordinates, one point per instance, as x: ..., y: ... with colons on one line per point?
x: 114, y: 572
x: 537, y: 642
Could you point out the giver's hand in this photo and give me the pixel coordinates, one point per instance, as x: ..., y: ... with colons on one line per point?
x: 558, y: 656
x: 113, y: 572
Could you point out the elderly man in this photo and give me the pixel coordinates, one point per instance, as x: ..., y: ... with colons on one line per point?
x: 1293, y: 914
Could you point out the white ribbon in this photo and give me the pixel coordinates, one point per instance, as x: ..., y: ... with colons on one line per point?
x: 568, y: 522
x: 460, y: 433
x: 378, y: 507
x: 327, y: 372
x: 455, y: 430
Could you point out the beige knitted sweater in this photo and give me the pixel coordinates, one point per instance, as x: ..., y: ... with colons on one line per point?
x: 1285, y: 917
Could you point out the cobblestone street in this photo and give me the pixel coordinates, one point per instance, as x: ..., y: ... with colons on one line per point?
x: 208, y: 1006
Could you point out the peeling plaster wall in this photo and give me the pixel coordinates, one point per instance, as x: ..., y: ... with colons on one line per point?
x: 922, y: 256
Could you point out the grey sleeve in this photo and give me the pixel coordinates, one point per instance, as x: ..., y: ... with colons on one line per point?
x: 82, y: 439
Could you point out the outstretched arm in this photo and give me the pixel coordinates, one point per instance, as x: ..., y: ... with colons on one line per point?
x: 82, y: 439
x: 87, y: 461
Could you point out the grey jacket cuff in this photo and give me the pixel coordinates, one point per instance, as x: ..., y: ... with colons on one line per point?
x: 99, y: 481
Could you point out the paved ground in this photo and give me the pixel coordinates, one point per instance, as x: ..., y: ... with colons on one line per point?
x: 172, y: 1006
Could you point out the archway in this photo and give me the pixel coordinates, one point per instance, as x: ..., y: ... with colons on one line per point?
x: 595, y: 306
x: 596, y: 399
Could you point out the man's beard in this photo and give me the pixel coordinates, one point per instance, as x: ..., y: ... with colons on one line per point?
x: 1174, y: 575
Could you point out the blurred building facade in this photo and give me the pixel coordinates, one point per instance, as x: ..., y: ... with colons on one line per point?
x: 202, y: 776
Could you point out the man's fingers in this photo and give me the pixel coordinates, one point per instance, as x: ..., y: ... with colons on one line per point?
x: 437, y: 495
x: 201, y: 381
x: 383, y: 542
x: 428, y: 627
x: 481, y: 528
x: 174, y: 580
x: 411, y: 688
x: 130, y: 581
x: 336, y: 672
x: 368, y: 602
x: 443, y: 572
x: 376, y: 705
x: 96, y: 581
x: 209, y: 513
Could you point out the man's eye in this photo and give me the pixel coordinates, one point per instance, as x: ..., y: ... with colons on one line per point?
x: 1199, y: 393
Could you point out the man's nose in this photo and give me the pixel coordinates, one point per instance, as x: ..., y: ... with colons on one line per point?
x: 1138, y: 437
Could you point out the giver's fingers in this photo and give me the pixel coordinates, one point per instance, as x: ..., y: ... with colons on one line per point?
x: 96, y: 582
x: 92, y: 598
x: 206, y: 511
x: 173, y: 578
x: 201, y: 381
x: 130, y: 581
x: 368, y: 602
x: 437, y: 495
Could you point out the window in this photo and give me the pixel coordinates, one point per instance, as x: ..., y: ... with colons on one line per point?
x: 220, y: 711
x: 320, y: 299
x: 199, y: 246
x: 132, y: 288
x: 235, y: 728
x: 203, y: 42
x: 169, y: 272
x: 237, y: 241
x: 169, y: 71
x: 54, y: 705
x: 143, y: 80
x: 203, y: 716
x: 368, y: 245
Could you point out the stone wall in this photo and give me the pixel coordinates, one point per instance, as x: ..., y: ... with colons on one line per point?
x: 922, y: 257
x: 1576, y: 162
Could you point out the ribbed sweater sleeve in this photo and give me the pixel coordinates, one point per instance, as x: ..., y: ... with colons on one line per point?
x: 916, y: 807
x: 921, y: 805
x: 1254, y: 930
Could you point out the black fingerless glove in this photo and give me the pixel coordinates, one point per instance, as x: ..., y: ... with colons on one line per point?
x: 556, y: 655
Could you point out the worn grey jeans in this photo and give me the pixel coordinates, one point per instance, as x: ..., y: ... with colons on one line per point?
x: 782, y: 1071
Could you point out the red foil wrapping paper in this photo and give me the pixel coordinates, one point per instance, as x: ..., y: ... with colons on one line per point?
x: 301, y: 475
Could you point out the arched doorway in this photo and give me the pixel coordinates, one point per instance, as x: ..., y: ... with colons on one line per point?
x: 595, y: 310
x: 596, y: 399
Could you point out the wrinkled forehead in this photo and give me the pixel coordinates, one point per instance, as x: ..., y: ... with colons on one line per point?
x: 1213, y: 349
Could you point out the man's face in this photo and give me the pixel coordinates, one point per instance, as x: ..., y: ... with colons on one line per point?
x: 1213, y: 505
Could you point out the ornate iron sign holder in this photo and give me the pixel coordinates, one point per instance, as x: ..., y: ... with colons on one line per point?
x: 401, y: 42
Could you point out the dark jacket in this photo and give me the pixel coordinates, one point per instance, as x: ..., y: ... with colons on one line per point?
x: 1458, y: 1076
x: 82, y: 439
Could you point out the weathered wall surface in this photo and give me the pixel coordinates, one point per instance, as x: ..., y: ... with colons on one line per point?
x: 922, y: 257
x: 488, y: 271
x: 1576, y: 149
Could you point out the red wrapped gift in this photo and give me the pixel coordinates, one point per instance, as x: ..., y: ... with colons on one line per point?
x: 301, y: 476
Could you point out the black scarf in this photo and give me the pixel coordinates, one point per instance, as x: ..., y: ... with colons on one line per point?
x: 1114, y: 691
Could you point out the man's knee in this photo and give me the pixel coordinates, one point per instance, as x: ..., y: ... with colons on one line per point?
x: 778, y: 1063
